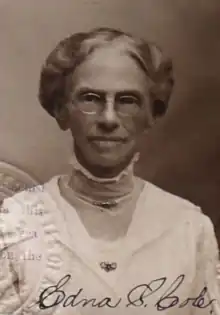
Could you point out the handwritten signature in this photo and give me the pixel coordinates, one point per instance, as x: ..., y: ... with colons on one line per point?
x: 136, y: 297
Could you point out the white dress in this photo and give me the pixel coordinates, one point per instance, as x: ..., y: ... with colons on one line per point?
x: 50, y: 265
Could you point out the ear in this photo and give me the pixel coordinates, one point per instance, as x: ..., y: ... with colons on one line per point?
x: 62, y: 117
x: 163, y: 82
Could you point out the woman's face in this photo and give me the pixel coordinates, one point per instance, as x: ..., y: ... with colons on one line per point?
x: 108, y: 109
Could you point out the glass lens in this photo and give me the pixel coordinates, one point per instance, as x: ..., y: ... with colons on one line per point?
x: 89, y: 103
x: 128, y: 105
x: 92, y: 103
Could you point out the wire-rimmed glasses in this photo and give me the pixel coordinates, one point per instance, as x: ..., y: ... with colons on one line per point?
x: 94, y: 104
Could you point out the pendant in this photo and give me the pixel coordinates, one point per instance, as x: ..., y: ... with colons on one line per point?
x: 108, y: 266
x: 105, y: 204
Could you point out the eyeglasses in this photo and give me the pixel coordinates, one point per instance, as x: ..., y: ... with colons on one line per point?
x: 92, y: 104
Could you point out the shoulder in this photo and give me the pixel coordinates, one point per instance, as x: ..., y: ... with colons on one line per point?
x: 31, y: 198
x: 169, y: 200
x: 174, y: 208
x: 171, y: 212
x: 20, y: 202
x: 16, y: 216
x: 24, y: 208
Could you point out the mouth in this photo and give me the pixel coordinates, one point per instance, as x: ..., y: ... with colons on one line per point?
x: 108, y: 139
x: 107, y: 143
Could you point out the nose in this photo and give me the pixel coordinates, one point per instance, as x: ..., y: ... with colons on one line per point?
x: 108, y: 120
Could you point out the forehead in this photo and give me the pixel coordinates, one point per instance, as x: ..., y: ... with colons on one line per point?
x: 110, y: 69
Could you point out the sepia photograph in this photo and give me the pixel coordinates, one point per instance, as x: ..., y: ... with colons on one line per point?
x: 109, y: 160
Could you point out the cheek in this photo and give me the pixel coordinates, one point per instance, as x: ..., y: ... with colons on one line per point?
x: 79, y: 124
x: 137, y: 124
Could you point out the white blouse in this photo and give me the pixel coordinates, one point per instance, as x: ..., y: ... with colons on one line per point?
x: 49, y: 264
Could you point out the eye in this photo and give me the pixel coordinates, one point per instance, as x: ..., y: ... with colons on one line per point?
x: 89, y: 102
x: 128, y: 99
x: 128, y: 104
x: 90, y: 97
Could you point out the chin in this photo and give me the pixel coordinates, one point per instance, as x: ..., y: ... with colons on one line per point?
x: 109, y: 162
x: 106, y: 161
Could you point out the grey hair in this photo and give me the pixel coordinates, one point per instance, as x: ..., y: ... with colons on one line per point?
x: 73, y: 50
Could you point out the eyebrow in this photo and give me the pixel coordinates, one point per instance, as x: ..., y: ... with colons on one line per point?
x: 134, y: 93
x: 84, y: 90
x: 131, y: 92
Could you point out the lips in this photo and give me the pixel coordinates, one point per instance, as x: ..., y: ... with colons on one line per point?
x: 107, y: 144
x: 112, y: 139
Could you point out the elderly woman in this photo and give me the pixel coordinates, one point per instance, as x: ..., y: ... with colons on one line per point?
x: 100, y: 240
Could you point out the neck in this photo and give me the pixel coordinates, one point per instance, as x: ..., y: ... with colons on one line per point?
x: 101, y: 189
x: 100, y: 172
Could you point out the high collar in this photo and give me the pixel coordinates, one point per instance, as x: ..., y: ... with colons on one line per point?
x: 87, y: 185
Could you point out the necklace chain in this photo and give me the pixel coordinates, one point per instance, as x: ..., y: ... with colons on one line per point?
x: 107, y: 206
